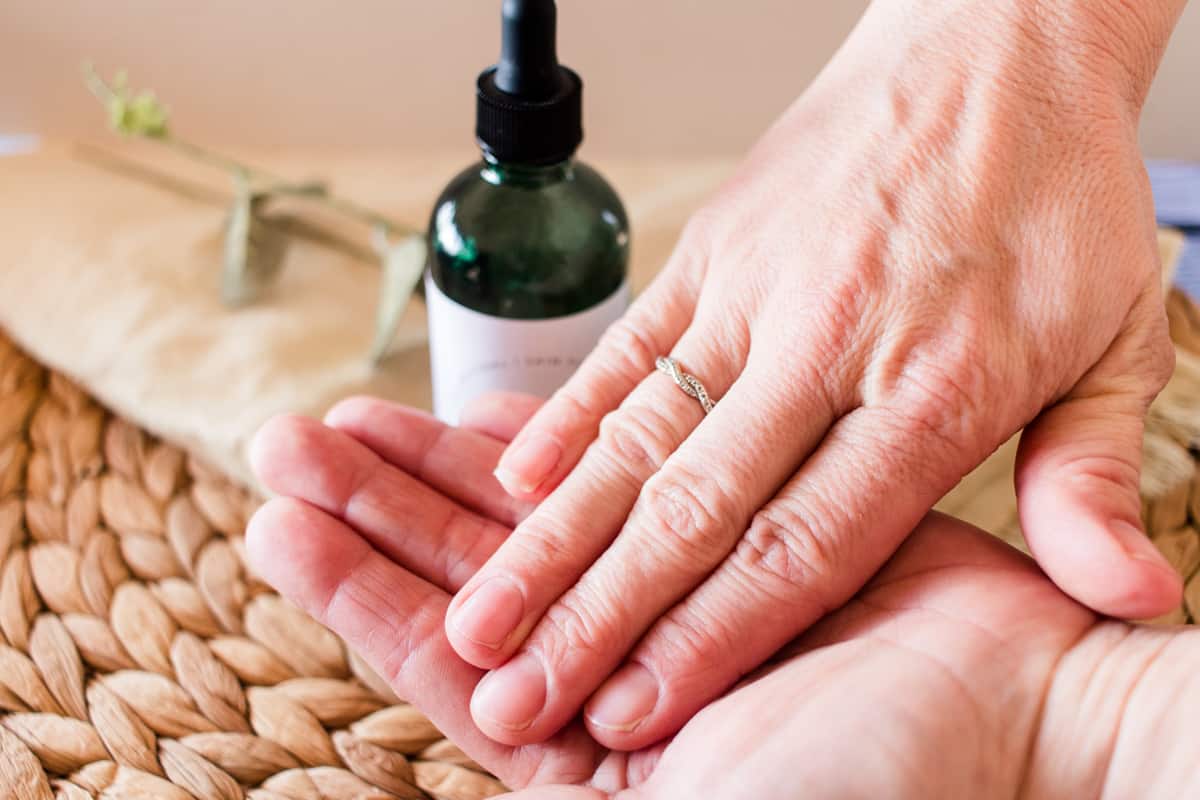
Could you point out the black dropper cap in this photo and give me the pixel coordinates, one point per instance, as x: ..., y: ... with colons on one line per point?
x: 529, y: 108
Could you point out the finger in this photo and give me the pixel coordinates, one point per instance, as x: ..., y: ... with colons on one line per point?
x: 322, y: 566
x: 402, y: 517
x: 394, y: 620
x: 831, y: 527
x: 500, y: 415
x: 556, y: 793
x: 555, y: 545
x: 555, y: 439
x: 1077, y: 484
x: 455, y: 462
x: 687, y: 519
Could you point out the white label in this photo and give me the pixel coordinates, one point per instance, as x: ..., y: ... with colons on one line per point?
x: 472, y: 353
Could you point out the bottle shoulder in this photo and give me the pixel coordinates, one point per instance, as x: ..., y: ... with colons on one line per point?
x: 530, y: 248
x: 481, y: 189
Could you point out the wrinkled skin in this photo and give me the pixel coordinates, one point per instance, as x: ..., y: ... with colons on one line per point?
x: 959, y: 671
x: 948, y: 238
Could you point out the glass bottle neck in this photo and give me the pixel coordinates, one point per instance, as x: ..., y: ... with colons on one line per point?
x: 496, y: 172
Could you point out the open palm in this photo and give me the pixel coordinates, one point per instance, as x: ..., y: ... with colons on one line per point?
x: 959, y: 671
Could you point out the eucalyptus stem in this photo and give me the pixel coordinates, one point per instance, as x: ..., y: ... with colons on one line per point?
x: 262, y: 179
x: 270, y: 182
x: 253, y: 247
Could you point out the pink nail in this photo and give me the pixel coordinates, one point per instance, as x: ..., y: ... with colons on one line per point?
x: 525, y: 467
x: 511, y: 697
x: 624, y: 700
x: 491, y: 613
x: 1137, y: 544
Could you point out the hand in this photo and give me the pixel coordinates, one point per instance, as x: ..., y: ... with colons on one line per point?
x: 960, y: 671
x: 949, y: 237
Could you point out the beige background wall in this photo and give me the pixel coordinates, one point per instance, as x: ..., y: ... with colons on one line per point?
x: 663, y: 76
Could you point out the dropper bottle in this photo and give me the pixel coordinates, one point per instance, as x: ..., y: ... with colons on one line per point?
x: 528, y: 247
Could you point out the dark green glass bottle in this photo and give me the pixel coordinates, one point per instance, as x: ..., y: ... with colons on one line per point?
x: 529, y: 247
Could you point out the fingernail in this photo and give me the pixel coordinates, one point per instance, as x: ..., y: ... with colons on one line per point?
x: 524, y: 468
x: 512, y: 696
x: 489, y: 616
x: 624, y: 700
x: 1137, y: 544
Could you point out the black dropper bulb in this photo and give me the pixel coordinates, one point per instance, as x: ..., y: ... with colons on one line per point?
x: 528, y: 59
x: 529, y: 107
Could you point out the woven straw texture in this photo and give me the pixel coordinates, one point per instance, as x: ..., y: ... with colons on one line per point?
x: 140, y: 658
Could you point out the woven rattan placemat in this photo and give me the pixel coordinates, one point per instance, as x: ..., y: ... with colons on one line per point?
x: 139, y: 658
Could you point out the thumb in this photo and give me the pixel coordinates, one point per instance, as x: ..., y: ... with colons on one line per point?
x: 1077, y: 482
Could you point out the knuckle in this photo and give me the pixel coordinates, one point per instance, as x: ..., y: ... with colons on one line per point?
x: 626, y: 352
x: 944, y: 397
x: 842, y: 309
x: 938, y: 380
x: 702, y: 226
x: 408, y: 645
x: 1109, y: 475
x: 537, y: 543
x: 463, y: 547
x: 576, y: 629
x: 637, y: 438
x: 693, y: 251
x: 908, y: 449
x: 782, y: 551
x: 379, y: 624
x: 629, y: 347
x: 570, y: 406
x: 690, y: 515
x: 686, y: 647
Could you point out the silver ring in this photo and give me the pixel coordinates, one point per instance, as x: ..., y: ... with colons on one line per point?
x: 690, y: 384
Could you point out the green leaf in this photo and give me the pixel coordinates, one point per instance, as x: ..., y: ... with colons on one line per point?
x: 403, y: 264
x: 131, y: 114
x: 146, y: 116
x: 254, y: 249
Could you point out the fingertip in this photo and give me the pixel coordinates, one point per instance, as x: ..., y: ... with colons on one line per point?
x: 351, y: 411
x: 485, y: 623
x: 275, y: 445
x: 301, y: 457
x: 516, y: 486
x: 470, y: 648
x: 508, y: 701
x: 272, y: 538
x: 1134, y: 590
x: 1080, y: 509
x: 1151, y: 586
x: 264, y: 443
x: 621, y: 706
x: 260, y: 529
x: 1106, y: 563
x: 526, y: 466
